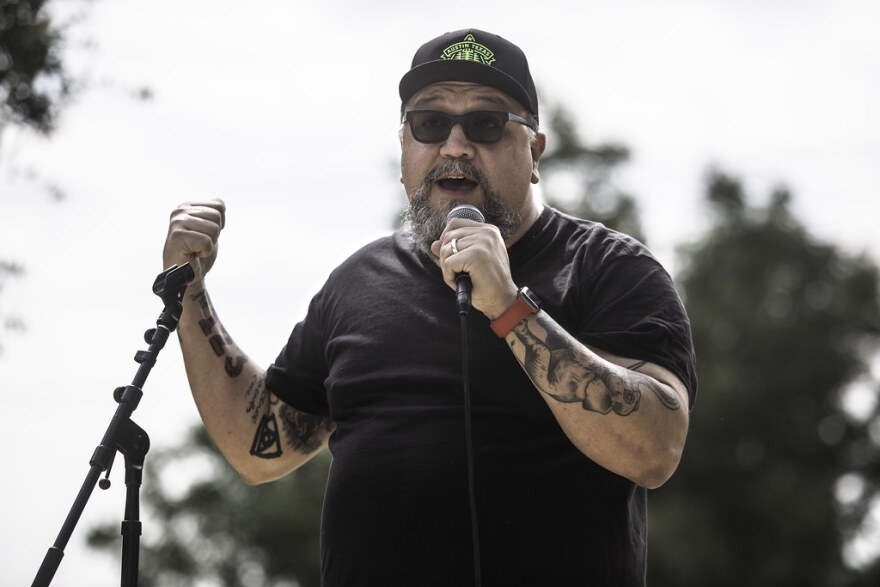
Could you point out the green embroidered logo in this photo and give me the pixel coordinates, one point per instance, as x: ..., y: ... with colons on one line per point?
x: 469, y: 50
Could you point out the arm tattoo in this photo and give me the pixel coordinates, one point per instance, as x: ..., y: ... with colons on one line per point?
x: 267, y: 443
x: 568, y: 376
x: 305, y: 433
x: 669, y: 400
x: 218, y: 338
x: 256, y: 394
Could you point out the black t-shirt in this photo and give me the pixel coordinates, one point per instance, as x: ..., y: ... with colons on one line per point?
x: 380, y: 353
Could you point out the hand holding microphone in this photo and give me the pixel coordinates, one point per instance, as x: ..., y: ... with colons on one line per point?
x: 470, y: 251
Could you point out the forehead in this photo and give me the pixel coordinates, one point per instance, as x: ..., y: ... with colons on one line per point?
x: 461, y: 95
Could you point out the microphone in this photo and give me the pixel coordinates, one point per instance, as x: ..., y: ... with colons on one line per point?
x: 463, y: 280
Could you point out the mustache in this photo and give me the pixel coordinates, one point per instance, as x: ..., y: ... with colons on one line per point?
x: 456, y: 167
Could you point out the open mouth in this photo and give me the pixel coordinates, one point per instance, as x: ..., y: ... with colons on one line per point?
x: 458, y: 183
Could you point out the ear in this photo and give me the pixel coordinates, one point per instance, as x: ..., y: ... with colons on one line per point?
x: 538, y: 146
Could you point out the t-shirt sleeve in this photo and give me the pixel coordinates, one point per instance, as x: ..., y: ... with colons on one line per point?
x: 298, y: 375
x: 633, y: 310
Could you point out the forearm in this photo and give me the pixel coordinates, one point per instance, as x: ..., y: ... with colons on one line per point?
x: 628, y: 416
x: 261, y: 437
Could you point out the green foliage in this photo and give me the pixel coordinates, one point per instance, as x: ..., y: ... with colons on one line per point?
x: 220, y: 530
x: 781, y: 324
x: 9, y: 322
x: 33, y: 87
x: 32, y: 78
x: 587, y: 174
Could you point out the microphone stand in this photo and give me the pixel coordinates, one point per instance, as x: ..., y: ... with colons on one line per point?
x: 125, y: 436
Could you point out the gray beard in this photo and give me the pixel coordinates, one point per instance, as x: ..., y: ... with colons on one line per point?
x: 426, y: 224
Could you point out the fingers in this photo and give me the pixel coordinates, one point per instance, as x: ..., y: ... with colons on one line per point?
x: 477, y: 249
x: 193, y: 231
x: 460, y: 246
x: 213, y: 211
x: 469, y: 247
x: 455, y: 229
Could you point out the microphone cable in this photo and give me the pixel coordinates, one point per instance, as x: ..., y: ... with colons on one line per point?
x: 463, y: 302
x: 469, y: 445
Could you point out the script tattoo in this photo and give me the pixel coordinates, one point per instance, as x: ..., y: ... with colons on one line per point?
x: 257, y: 395
x: 220, y: 341
x: 562, y: 373
x: 305, y: 433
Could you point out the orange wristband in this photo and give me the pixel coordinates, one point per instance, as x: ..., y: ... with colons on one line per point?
x: 526, y: 304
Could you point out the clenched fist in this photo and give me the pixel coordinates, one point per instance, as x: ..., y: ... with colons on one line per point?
x: 192, y: 235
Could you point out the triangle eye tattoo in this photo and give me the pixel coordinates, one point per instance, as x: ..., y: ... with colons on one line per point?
x: 267, y: 444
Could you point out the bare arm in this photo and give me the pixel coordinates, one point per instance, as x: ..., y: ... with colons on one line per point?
x: 261, y: 437
x: 628, y: 416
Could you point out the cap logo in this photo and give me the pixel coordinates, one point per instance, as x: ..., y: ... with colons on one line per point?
x: 469, y: 50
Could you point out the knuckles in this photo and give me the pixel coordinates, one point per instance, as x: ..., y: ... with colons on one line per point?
x: 193, y: 230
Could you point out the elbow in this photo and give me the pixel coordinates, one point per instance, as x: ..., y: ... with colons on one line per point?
x: 646, y: 468
x: 260, y: 477
x: 257, y: 471
x: 256, y: 475
x: 660, y: 461
x: 656, y: 473
x: 658, y: 467
x: 251, y: 479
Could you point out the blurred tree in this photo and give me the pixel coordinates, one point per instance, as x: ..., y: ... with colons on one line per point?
x: 581, y: 180
x: 9, y: 321
x: 33, y: 82
x: 34, y: 87
x: 782, y: 324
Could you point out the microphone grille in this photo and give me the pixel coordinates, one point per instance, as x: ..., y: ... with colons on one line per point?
x: 467, y: 212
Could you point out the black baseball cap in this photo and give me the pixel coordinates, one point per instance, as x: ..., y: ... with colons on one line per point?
x: 475, y: 56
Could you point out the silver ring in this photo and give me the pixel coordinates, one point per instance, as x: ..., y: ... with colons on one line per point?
x: 454, y: 247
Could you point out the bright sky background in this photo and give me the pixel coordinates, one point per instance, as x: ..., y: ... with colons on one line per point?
x: 289, y: 111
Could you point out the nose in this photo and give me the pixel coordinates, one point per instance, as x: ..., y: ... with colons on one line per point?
x: 457, y: 145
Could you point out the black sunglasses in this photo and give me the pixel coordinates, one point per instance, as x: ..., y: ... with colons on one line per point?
x: 432, y: 126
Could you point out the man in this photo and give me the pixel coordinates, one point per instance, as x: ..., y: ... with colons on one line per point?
x: 581, y: 361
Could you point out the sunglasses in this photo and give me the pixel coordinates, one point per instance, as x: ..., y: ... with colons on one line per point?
x: 432, y: 126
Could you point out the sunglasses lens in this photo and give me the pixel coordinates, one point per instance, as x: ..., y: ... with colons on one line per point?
x: 430, y: 127
x: 484, y: 127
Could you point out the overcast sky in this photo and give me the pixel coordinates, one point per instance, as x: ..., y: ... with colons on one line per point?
x: 289, y: 111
